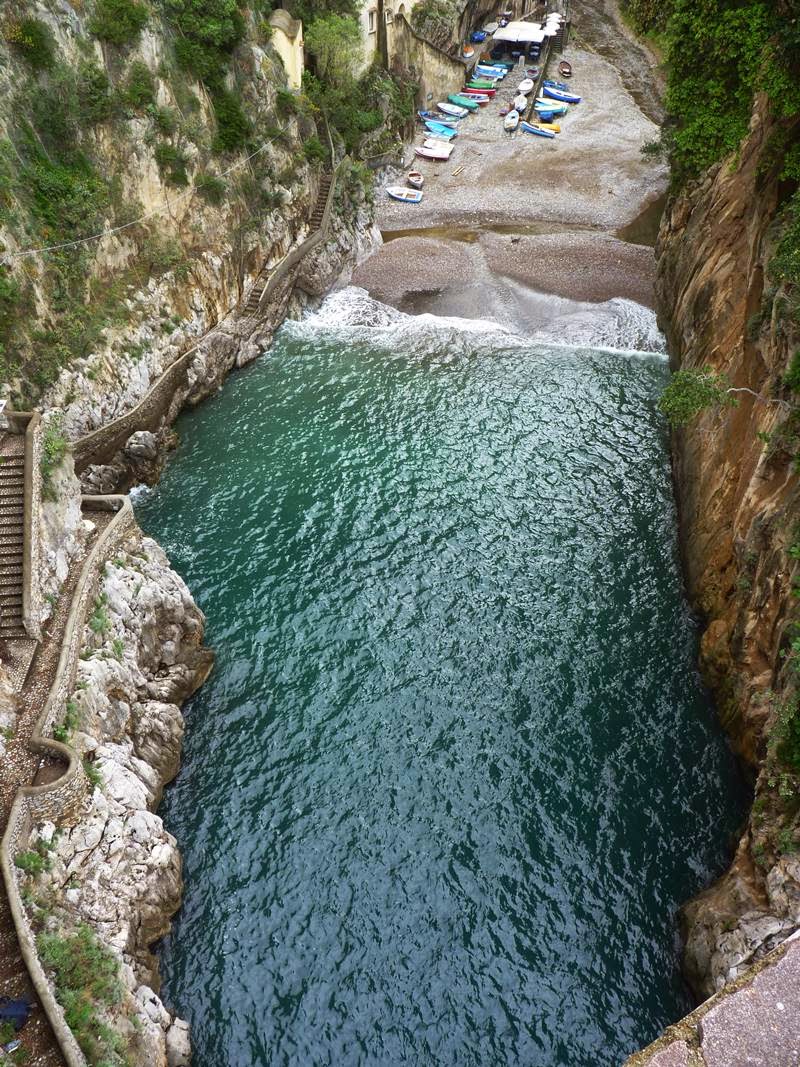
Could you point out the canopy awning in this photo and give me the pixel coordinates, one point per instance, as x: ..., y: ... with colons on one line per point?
x: 521, y: 33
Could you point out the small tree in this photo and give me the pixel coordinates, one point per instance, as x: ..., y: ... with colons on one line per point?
x: 691, y: 391
x: 335, y: 43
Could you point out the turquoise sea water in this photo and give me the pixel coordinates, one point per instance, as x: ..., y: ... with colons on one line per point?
x: 454, y: 770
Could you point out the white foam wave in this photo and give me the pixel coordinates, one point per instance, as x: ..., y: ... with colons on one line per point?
x: 617, y: 325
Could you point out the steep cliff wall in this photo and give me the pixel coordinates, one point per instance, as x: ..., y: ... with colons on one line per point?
x: 736, y: 478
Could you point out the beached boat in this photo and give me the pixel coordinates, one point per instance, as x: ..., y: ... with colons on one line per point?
x: 565, y: 69
x: 463, y: 101
x: 438, y: 146
x: 551, y: 107
x: 532, y: 72
x: 406, y: 196
x: 452, y: 109
x: 525, y: 86
x: 559, y: 94
x: 467, y: 51
x: 556, y: 85
x: 534, y: 127
x: 490, y: 71
x: 511, y: 121
x: 520, y: 102
x: 546, y: 116
x: 416, y: 179
x: 478, y: 94
x: 439, y: 154
x: 439, y: 130
x: 434, y: 116
x: 481, y: 83
x: 554, y: 126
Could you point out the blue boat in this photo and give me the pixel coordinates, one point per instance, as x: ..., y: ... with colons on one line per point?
x: 434, y: 116
x: 530, y: 128
x: 556, y: 85
x: 559, y: 94
x: 440, y: 130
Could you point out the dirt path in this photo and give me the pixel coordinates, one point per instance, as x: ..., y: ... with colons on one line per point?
x: 571, y: 216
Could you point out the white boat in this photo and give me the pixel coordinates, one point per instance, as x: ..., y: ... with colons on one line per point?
x: 407, y: 196
x: 453, y: 109
x: 441, y: 153
x: 525, y: 86
x: 438, y: 146
x: 511, y: 121
x: 520, y: 102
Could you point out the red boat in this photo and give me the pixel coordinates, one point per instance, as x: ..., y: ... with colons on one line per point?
x: 487, y: 94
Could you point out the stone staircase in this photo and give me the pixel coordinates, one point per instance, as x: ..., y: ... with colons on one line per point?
x: 314, y: 223
x: 12, y: 501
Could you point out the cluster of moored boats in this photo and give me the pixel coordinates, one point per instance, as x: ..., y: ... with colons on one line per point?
x: 442, y: 126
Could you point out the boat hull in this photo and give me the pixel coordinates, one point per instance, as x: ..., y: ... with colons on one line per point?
x: 405, y: 196
x: 559, y: 94
x: 463, y: 101
x: 537, y: 131
x: 453, y: 109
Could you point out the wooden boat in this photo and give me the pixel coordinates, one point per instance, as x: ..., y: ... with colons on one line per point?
x: 520, y: 102
x: 554, y: 126
x: 478, y: 94
x: 550, y: 107
x: 438, y: 146
x: 463, y: 101
x: 559, y: 94
x: 556, y: 85
x: 406, y: 196
x: 511, y: 121
x: 565, y: 69
x: 525, y: 86
x: 534, y: 127
x: 488, y: 70
x: 434, y: 116
x: 545, y: 116
x: 416, y: 179
x: 452, y: 109
x: 438, y: 130
x: 440, y: 155
x: 532, y: 72
x: 481, y: 83
x: 467, y: 51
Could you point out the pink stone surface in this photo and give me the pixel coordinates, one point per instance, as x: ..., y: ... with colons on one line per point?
x: 759, y: 1025
x: 674, y: 1055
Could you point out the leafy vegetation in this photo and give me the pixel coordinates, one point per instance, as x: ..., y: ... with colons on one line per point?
x: 33, y: 39
x: 54, y: 449
x: 118, y: 21
x: 87, y: 980
x: 691, y: 391
x: 33, y: 862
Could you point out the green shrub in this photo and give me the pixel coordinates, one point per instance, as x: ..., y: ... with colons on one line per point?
x: 208, y: 31
x: 172, y: 164
x: 785, y: 734
x: 211, y: 187
x: 118, y: 21
x: 32, y: 862
x: 93, y: 774
x: 792, y: 376
x: 314, y: 150
x: 691, y: 391
x: 99, y: 621
x: 94, y: 96
x: 165, y: 119
x: 33, y: 39
x: 54, y: 449
x: 86, y: 975
x: 9, y: 301
x: 140, y: 86
x: 233, y: 127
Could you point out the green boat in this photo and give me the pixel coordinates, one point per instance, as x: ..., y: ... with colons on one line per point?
x: 482, y: 83
x: 463, y: 101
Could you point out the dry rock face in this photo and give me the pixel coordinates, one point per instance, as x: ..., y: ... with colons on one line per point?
x: 738, y: 499
x: 118, y: 870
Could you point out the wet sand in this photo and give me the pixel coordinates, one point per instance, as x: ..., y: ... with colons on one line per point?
x: 573, y: 216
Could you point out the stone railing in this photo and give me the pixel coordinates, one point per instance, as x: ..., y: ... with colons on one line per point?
x: 62, y: 800
x: 291, y: 259
x: 29, y: 423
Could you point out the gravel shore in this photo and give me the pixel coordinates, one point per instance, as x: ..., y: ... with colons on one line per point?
x: 541, y: 213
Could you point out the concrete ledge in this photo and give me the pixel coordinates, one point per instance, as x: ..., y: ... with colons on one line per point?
x: 62, y: 799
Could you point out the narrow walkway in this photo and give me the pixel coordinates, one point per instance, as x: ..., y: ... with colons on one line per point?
x: 23, y: 767
x: 12, y: 501
x: 254, y: 299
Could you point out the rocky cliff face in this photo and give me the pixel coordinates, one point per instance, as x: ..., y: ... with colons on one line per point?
x: 118, y: 870
x: 737, y: 490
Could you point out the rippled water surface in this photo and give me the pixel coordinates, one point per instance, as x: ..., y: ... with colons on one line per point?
x: 454, y: 770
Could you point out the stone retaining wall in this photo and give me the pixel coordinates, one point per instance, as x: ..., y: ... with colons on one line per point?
x: 60, y: 801
x: 436, y: 73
